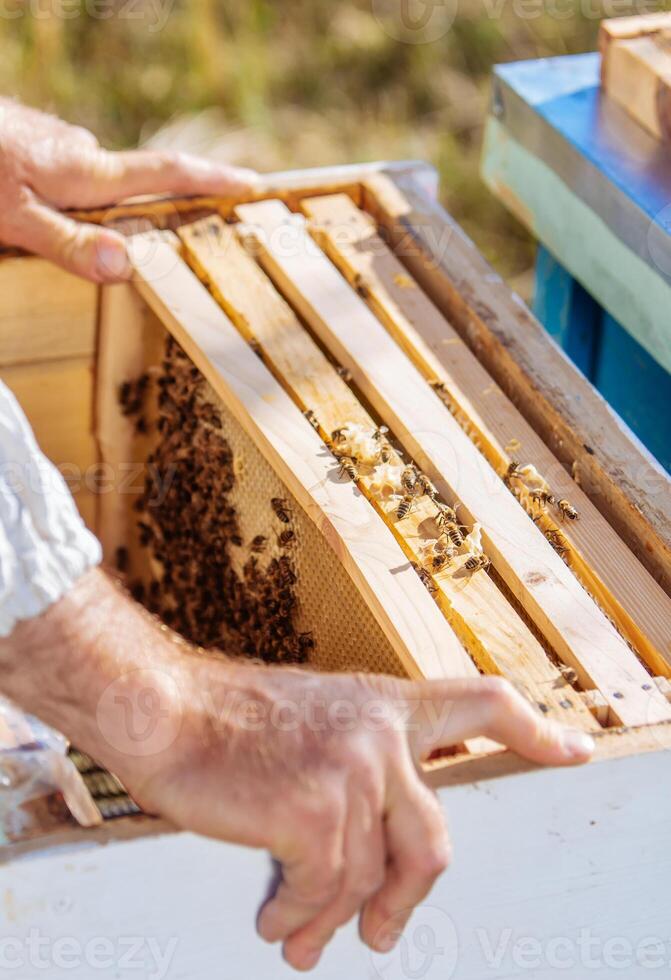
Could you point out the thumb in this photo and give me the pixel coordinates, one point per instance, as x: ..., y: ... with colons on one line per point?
x: 90, y: 251
x: 452, y: 711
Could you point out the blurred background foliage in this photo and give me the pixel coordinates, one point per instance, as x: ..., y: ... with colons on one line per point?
x: 279, y: 84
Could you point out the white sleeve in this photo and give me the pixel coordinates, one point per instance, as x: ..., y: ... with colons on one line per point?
x: 44, y: 544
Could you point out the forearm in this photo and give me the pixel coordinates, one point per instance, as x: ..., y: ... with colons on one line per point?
x: 98, y: 668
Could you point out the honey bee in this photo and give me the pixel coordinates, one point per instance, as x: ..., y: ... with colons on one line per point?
x: 405, y: 506
x: 570, y: 675
x: 426, y: 487
x: 286, y: 538
x: 445, y: 515
x: 259, y: 543
x: 281, y: 508
x: 339, y: 435
x: 385, y: 454
x: 453, y: 533
x: 439, y: 387
x: 305, y: 641
x: 380, y: 433
x: 512, y: 472
x: 475, y: 562
x: 256, y: 347
x: 409, y: 479
x: 348, y: 467
x: 567, y: 510
x: 345, y: 374
x: 122, y: 559
x: 425, y: 578
x: 441, y: 560
x: 542, y: 497
x: 287, y: 574
x: 312, y: 418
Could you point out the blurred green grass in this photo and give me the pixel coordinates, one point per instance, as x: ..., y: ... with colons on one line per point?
x: 295, y: 82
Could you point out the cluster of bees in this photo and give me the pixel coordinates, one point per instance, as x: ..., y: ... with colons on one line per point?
x: 354, y: 446
x: 192, y: 529
x: 538, y: 489
x: 527, y: 477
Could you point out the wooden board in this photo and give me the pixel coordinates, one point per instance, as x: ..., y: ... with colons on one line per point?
x: 410, y: 619
x: 57, y: 398
x: 573, y: 624
x: 621, y: 478
x: 130, y: 340
x: 636, y: 73
x: 486, y: 624
x: 611, y: 573
x: 45, y: 313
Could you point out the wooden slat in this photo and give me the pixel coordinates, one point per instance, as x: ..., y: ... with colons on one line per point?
x: 45, y: 314
x: 410, y: 619
x: 632, y: 598
x: 573, y: 624
x: 636, y: 72
x: 57, y: 397
x: 131, y: 340
x: 486, y: 624
x: 624, y: 483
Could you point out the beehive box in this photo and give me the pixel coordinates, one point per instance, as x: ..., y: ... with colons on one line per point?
x: 319, y: 430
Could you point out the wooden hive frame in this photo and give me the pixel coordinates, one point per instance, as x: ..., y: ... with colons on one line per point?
x: 441, y: 316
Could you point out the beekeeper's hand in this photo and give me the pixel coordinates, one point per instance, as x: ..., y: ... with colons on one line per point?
x: 322, y: 770
x: 46, y: 165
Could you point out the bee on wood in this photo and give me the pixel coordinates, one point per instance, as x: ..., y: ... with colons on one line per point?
x: 259, y: 543
x: 379, y: 433
x: 513, y: 471
x: 474, y: 562
x: 445, y: 515
x: 542, y: 497
x: 385, y: 454
x: 256, y: 347
x: 439, y: 387
x: 569, y: 674
x: 345, y: 374
x: 425, y: 578
x: 146, y: 533
x: 348, y: 467
x: 409, y: 479
x: 312, y: 418
x: 281, y: 508
x: 567, y: 510
x: 339, y: 435
x: 453, y: 533
x: 286, y: 538
x: 441, y: 561
x: 405, y: 506
x: 426, y: 487
x: 122, y: 559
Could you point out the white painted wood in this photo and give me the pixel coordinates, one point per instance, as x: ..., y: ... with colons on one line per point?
x: 553, y: 858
